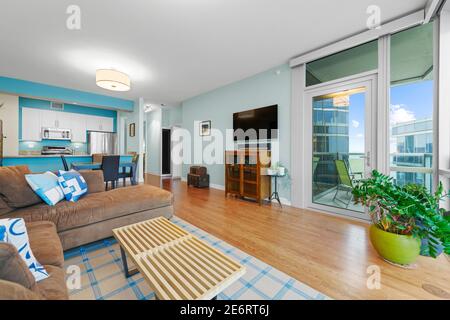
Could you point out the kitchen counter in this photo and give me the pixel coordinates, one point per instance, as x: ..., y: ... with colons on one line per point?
x: 45, y: 156
x: 42, y: 163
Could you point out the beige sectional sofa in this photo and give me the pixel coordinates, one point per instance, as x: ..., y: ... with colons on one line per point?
x: 53, y: 229
x: 91, y: 218
x: 17, y: 281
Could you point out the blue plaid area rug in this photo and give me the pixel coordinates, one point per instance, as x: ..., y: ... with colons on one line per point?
x: 102, y: 275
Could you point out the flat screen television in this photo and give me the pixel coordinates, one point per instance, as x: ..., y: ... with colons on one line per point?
x: 258, y: 119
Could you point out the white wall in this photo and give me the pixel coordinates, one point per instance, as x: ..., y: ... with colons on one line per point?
x: 153, y: 154
x: 9, y: 113
x: 171, y: 117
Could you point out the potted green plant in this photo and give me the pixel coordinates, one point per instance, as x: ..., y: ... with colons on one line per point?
x: 402, y: 217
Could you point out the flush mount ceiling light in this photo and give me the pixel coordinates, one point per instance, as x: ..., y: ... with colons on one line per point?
x: 112, y: 80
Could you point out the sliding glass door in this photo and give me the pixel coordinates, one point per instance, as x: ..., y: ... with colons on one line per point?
x: 341, y: 141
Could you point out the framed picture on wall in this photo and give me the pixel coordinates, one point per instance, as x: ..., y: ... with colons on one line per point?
x: 205, y: 128
x: 132, y: 129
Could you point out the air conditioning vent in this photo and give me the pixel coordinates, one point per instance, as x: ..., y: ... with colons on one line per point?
x: 57, y: 106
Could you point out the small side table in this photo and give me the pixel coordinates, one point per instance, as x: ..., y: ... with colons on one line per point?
x: 275, y: 195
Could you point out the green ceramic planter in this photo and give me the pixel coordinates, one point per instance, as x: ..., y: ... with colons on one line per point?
x: 395, y: 248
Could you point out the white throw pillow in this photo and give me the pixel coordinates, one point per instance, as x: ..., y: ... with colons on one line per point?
x: 46, y: 186
x: 13, y: 231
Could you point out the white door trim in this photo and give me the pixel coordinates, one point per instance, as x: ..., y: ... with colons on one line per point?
x: 298, y: 167
x: 179, y: 166
x: 383, y: 105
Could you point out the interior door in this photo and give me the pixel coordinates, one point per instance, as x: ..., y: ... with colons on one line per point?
x: 341, y: 141
x: 166, y: 161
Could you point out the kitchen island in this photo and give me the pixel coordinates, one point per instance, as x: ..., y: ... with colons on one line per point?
x: 42, y: 163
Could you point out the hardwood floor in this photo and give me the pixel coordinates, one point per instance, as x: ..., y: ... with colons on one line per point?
x: 330, y: 254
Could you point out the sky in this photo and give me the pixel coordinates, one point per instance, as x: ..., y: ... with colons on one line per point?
x: 357, y: 122
x: 409, y: 102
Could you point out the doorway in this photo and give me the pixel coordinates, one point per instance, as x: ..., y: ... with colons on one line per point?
x: 166, y: 153
x: 340, y: 142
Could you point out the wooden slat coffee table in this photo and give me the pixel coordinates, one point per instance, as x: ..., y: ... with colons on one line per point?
x: 176, y: 264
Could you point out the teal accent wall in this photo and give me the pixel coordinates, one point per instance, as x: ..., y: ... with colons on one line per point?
x: 70, y: 108
x: 48, y: 92
x: 265, y: 89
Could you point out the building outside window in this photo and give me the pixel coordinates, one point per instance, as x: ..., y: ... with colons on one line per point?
x: 412, y: 100
x: 414, y: 143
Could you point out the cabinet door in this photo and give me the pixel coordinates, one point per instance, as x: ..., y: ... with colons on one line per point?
x: 31, y: 124
x: 96, y: 123
x: 64, y: 120
x: 93, y: 123
x: 78, y: 128
x: 107, y: 124
x: 49, y: 119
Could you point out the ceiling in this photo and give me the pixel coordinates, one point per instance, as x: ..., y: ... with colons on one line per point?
x: 172, y: 49
x: 447, y: 5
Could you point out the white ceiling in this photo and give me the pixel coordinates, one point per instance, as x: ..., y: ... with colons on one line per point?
x: 172, y: 49
x: 447, y: 5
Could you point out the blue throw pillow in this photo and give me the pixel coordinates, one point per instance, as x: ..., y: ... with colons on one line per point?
x: 46, y: 186
x: 73, y: 185
x: 14, y: 231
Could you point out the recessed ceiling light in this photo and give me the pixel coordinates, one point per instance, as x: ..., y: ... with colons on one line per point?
x: 112, y: 80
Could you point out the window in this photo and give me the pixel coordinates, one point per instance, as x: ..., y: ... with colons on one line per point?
x: 353, y: 61
x: 411, y: 115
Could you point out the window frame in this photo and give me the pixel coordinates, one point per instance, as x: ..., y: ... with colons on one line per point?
x: 299, y: 91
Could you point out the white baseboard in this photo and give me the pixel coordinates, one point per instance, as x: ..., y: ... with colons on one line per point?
x: 284, y: 201
x: 217, y: 187
x: 212, y: 186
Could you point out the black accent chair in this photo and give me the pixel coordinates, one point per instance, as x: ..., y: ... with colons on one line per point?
x: 110, y: 167
x: 64, y: 161
x: 132, y: 173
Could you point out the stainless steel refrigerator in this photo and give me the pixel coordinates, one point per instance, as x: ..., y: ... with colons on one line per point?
x: 102, y: 142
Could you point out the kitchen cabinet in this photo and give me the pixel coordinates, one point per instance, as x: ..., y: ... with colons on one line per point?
x: 65, y: 120
x: 31, y: 124
x: 49, y: 119
x: 55, y: 119
x: 78, y: 127
x: 108, y: 124
x: 96, y: 123
x: 33, y: 120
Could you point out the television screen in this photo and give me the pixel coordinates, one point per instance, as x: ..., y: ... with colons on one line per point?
x: 265, y: 119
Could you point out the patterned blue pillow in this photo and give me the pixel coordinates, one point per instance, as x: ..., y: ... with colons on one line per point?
x: 46, y: 186
x: 14, y: 231
x: 73, y: 185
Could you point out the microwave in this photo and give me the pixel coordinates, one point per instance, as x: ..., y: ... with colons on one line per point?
x: 56, y: 134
